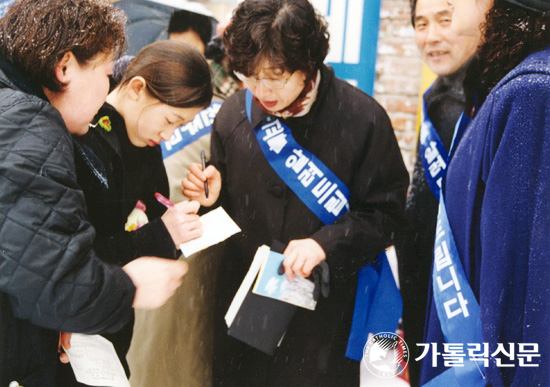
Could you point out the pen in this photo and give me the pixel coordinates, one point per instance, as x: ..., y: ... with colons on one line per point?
x: 203, y: 161
x: 164, y: 201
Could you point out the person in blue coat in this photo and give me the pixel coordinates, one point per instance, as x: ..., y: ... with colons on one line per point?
x: 496, y: 196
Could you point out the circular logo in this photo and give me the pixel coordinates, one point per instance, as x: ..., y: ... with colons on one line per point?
x: 386, y: 355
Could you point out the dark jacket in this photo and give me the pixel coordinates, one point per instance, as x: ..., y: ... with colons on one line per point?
x: 53, y: 278
x: 114, y: 175
x: 496, y: 193
x: 352, y: 135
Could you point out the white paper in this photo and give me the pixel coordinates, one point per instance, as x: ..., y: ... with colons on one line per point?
x: 95, y: 362
x: 259, y: 258
x: 217, y: 226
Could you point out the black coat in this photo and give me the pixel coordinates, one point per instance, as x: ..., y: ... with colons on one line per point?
x: 114, y: 175
x: 51, y: 275
x: 352, y: 135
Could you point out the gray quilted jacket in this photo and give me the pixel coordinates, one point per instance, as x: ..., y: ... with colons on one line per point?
x: 50, y: 276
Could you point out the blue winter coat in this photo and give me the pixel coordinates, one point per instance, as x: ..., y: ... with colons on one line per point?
x: 497, y: 195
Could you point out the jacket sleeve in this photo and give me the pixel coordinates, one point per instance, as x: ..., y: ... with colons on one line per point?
x: 48, y: 267
x: 378, y: 191
x: 152, y: 239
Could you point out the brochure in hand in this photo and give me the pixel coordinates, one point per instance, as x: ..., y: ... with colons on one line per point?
x: 271, y: 284
x: 262, y: 320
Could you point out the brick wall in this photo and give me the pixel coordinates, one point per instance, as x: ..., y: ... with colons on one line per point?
x: 398, y: 69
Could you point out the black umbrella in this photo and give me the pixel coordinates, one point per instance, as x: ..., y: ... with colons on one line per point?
x: 148, y: 19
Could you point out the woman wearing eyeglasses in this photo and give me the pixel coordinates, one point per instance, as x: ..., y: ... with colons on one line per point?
x: 306, y: 159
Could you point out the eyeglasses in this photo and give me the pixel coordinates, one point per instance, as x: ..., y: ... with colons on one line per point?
x: 274, y: 84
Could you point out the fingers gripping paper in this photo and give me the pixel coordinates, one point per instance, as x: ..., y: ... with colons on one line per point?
x: 217, y: 226
x: 95, y: 362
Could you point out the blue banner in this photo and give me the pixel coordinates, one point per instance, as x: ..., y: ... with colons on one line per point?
x: 354, y: 28
x: 186, y: 134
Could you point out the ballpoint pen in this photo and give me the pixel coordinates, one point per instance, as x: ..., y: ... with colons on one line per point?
x: 203, y: 161
x: 163, y: 200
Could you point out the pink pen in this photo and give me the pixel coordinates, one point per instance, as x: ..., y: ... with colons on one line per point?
x: 164, y: 201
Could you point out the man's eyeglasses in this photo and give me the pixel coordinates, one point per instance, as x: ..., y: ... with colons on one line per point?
x: 274, y: 84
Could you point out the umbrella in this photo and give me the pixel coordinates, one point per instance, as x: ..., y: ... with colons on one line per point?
x: 4, y: 5
x: 148, y: 19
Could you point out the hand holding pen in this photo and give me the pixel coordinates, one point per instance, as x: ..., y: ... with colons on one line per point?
x: 181, y: 220
x: 203, y: 162
x: 202, y: 184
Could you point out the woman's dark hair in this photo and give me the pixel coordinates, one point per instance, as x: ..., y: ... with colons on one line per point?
x: 35, y: 35
x: 175, y: 72
x: 287, y: 33
x: 510, y: 34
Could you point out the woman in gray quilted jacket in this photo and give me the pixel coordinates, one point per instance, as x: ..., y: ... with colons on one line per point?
x: 55, y: 59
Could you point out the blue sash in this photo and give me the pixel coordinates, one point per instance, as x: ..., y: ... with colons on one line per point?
x: 456, y: 305
x: 432, y: 152
x: 311, y: 180
x: 191, y: 132
x: 328, y: 200
x: 378, y: 303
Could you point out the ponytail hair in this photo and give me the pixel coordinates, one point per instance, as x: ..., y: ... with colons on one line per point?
x: 175, y: 73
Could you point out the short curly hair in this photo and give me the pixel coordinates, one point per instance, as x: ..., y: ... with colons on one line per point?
x: 290, y: 34
x: 34, y: 35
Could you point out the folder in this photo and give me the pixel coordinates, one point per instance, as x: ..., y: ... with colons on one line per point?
x: 258, y: 321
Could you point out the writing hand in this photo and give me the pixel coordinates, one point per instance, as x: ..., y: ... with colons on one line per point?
x: 301, y: 256
x: 193, y: 185
x: 182, y: 222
